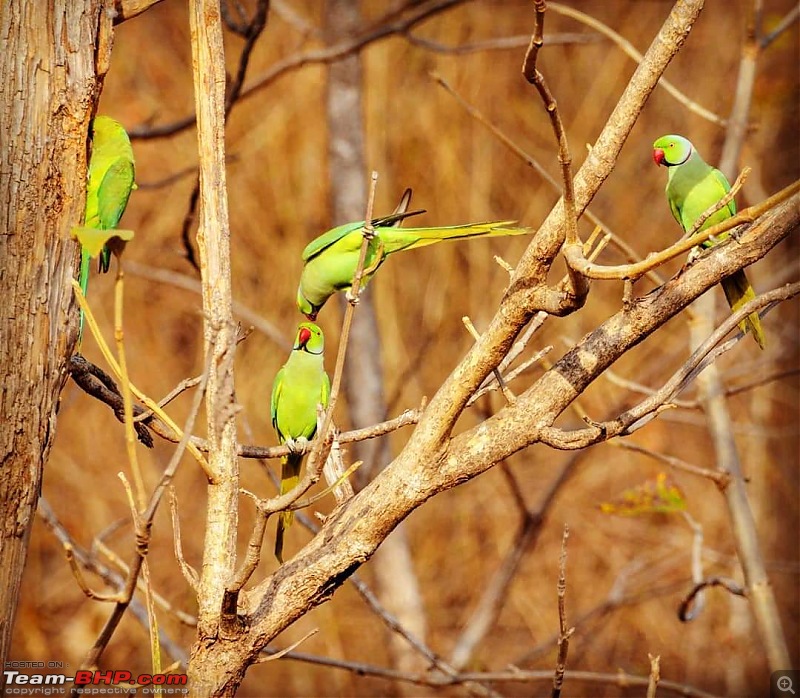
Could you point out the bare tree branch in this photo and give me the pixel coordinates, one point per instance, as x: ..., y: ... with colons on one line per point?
x: 340, y: 50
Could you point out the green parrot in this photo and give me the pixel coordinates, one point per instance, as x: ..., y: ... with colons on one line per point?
x: 694, y: 186
x: 109, y: 185
x: 331, y: 259
x: 300, y: 385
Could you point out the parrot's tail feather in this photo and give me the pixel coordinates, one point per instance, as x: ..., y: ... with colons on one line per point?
x: 411, y: 238
x: 290, y: 477
x: 738, y: 291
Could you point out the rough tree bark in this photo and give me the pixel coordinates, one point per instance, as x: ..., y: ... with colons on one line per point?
x: 49, y: 85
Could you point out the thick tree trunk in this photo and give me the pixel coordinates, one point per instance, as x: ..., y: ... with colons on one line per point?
x: 48, y: 87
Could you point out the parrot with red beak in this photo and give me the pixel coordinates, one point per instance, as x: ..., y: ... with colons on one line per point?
x: 694, y: 186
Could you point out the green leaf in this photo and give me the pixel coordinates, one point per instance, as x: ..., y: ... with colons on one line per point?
x: 658, y: 496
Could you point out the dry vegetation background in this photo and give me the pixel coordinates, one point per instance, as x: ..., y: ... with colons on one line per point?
x: 418, y: 136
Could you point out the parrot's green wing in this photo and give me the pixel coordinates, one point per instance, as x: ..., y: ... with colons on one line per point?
x: 722, y: 180
x: 114, y: 192
x: 676, y: 209
x: 277, y: 386
x: 324, y: 241
x: 326, y: 392
x: 112, y: 198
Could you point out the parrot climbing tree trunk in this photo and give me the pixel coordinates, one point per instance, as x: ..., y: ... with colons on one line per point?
x: 41, y: 196
x: 396, y: 581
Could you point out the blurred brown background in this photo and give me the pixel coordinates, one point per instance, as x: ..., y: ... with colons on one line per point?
x: 418, y: 136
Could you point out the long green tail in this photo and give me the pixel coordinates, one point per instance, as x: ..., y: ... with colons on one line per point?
x: 290, y: 476
x: 738, y: 291
x: 395, y: 239
x: 84, y: 282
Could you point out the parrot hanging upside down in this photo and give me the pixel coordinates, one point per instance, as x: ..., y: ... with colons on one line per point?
x: 300, y: 385
x: 694, y: 186
x: 332, y: 258
x: 109, y: 185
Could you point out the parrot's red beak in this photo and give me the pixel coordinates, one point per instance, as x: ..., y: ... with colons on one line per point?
x: 303, y: 336
x: 658, y: 156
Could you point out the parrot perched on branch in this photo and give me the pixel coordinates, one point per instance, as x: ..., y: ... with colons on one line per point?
x: 693, y: 187
x: 331, y: 259
x: 109, y: 185
x: 300, y: 385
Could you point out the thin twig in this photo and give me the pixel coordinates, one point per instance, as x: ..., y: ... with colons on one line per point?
x: 488, y: 608
x: 655, y: 675
x: 788, y: 20
x: 755, y: 382
x: 290, y: 648
x: 685, y: 611
x: 636, y: 417
x: 507, y: 393
x: 253, y: 554
x: 720, y: 479
x: 112, y: 578
x: 342, y: 49
x: 182, y: 387
x: 620, y: 678
x: 501, y: 43
x: 112, y: 362
x: 189, y: 572
x: 127, y: 403
x: 143, y: 528
x: 193, y: 285
x: 579, y: 286
x: 564, y: 633
x: 418, y: 645
x: 511, y: 375
x: 631, y: 52
x: 368, y: 234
